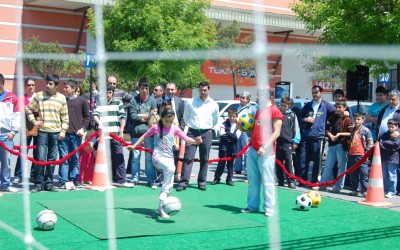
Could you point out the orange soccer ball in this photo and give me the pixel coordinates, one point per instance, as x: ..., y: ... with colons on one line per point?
x: 315, y: 198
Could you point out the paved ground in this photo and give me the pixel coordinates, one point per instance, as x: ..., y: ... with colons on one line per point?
x: 214, y: 154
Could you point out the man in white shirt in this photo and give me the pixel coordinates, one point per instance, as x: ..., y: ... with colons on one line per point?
x: 201, y: 115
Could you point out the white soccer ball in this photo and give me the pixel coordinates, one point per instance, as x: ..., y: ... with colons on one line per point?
x: 46, y: 219
x: 171, y: 205
x: 303, y: 202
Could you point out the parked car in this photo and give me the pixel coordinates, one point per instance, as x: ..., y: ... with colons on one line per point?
x: 297, y: 102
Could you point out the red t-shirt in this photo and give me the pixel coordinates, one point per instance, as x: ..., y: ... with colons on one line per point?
x: 264, y: 122
x: 356, y: 146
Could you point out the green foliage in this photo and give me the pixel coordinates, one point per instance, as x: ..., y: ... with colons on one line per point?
x: 228, y: 38
x: 157, y: 25
x: 42, y: 67
x: 353, y: 22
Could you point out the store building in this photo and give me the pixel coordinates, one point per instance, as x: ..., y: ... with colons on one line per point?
x: 64, y: 21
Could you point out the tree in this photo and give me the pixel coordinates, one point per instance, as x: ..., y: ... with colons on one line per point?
x: 228, y: 36
x: 157, y: 25
x: 353, y: 22
x: 324, y: 72
x: 42, y: 67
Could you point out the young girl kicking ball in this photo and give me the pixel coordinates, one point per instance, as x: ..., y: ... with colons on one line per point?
x: 163, y: 158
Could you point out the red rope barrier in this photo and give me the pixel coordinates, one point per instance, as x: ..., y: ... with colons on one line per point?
x: 57, y: 162
x: 124, y: 143
x: 326, y: 183
x: 243, y: 151
x: 113, y: 136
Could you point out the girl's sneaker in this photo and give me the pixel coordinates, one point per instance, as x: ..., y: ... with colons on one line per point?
x: 162, y: 213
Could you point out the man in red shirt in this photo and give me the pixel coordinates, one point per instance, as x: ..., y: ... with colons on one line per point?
x: 261, y: 154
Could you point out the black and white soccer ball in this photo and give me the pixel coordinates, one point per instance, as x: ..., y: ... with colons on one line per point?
x: 171, y: 205
x: 303, y: 202
x: 46, y: 219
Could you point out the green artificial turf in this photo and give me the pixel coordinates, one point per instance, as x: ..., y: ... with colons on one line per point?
x: 136, y: 216
x: 335, y: 224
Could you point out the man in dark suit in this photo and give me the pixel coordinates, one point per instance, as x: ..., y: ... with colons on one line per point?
x: 178, y: 106
x: 177, y: 103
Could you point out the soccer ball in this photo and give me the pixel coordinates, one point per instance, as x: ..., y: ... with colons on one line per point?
x: 46, y: 219
x: 315, y: 198
x: 246, y: 121
x: 171, y: 205
x: 303, y: 202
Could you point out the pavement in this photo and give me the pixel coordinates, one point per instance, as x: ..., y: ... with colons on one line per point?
x: 344, y: 195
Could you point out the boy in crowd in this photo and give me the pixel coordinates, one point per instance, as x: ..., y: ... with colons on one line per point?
x: 287, y: 141
x: 141, y: 109
x: 53, y: 124
x: 10, y: 122
x: 338, y: 131
x: 390, y: 158
x: 78, y: 113
x: 111, y: 119
x: 227, y: 147
x: 360, y: 142
x: 373, y: 111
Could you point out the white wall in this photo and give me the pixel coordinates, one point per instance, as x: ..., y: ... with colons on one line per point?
x: 293, y: 71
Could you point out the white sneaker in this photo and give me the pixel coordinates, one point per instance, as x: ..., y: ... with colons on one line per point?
x: 17, y: 180
x: 162, y: 213
x: 127, y: 185
x: 154, y: 186
x: 269, y: 212
x: 390, y: 195
x: 10, y: 189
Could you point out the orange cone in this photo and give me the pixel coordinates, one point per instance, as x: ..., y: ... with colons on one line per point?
x: 375, y: 193
x: 101, y: 179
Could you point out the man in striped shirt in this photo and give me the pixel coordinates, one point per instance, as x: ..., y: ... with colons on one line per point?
x: 123, y: 96
x: 111, y: 119
x: 53, y: 123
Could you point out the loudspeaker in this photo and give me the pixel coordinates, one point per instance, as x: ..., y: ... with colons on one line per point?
x: 357, y: 87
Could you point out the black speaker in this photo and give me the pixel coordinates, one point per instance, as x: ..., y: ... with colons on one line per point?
x: 357, y: 83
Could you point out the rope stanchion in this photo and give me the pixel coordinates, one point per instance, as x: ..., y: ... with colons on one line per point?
x: 57, y: 162
x: 326, y: 183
